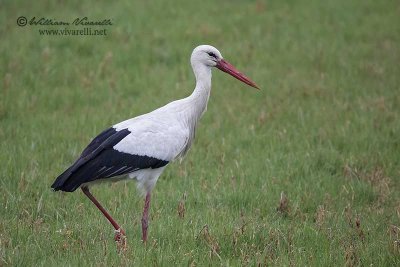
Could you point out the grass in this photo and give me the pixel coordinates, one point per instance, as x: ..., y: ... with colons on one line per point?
x: 304, y: 172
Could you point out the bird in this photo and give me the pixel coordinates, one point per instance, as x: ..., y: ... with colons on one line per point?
x: 140, y: 148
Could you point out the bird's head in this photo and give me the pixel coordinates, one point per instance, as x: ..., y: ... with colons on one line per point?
x: 211, y: 57
x: 207, y: 55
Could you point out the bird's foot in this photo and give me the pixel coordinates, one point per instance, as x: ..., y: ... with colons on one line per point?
x: 120, y: 239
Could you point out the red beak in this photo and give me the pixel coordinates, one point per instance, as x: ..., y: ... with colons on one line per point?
x: 228, y: 68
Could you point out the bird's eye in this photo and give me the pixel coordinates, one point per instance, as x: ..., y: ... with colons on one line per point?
x: 211, y: 54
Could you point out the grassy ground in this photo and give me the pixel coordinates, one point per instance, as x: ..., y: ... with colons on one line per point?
x: 304, y: 172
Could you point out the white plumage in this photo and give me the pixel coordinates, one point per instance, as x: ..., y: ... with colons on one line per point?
x: 156, y: 134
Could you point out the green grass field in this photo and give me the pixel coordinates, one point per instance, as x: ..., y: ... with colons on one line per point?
x: 303, y: 172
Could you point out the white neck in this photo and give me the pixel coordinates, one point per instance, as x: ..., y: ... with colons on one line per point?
x: 199, y: 98
x: 196, y: 104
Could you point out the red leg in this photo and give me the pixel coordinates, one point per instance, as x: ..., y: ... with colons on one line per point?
x: 145, y: 217
x: 119, y: 233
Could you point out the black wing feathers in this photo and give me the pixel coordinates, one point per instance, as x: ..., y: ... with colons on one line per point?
x: 98, y: 140
x: 104, y: 141
x: 99, y: 160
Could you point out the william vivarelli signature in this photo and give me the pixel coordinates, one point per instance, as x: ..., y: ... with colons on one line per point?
x: 22, y: 21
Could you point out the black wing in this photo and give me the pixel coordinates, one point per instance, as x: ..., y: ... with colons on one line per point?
x: 99, y: 160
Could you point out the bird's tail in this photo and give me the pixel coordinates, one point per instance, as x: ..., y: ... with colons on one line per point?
x: 60, y: 182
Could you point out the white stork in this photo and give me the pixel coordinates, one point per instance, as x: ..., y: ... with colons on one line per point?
x: 140, y: 148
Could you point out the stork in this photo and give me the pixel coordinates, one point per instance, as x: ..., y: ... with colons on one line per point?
x: 140, y: 148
